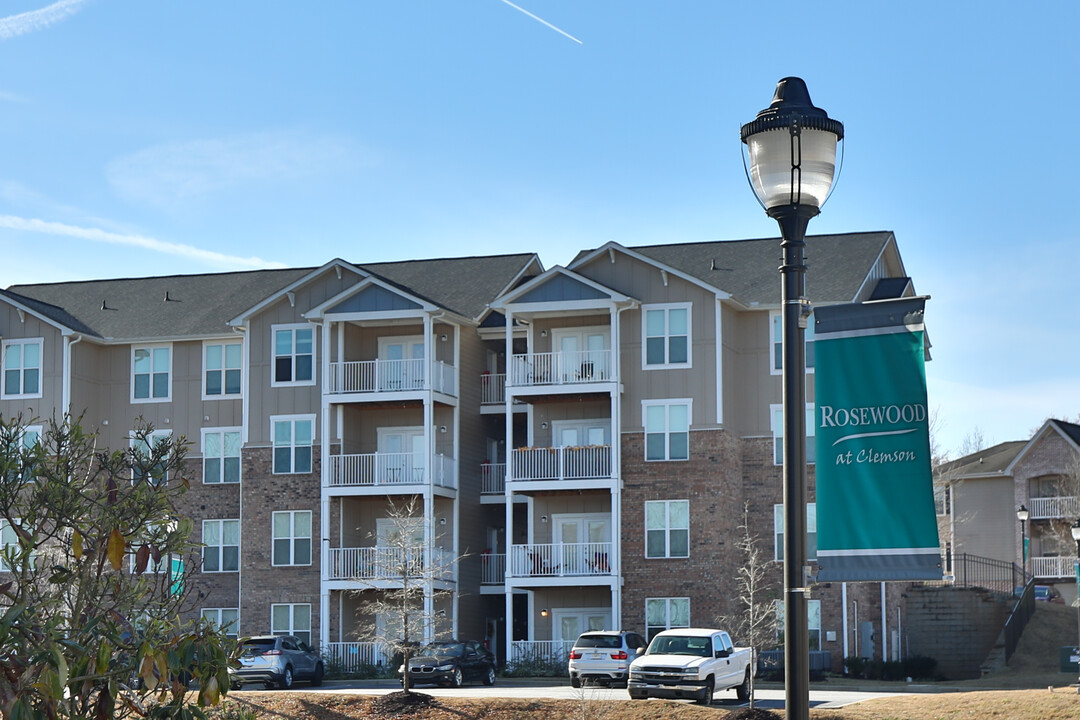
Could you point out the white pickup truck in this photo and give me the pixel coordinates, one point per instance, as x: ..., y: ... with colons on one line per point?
x: 690, y: 663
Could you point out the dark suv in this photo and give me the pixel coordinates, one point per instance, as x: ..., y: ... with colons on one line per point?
x: 605, y: 656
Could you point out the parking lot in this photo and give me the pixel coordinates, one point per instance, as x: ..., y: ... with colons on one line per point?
x: 770, y: 697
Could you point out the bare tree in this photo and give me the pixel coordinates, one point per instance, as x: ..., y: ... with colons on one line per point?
x: 410, y: 563
x: 755, y: 623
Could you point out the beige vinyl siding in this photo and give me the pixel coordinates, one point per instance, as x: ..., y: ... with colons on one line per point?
x: 52, y: 363
x: 751, y: 386
x: 981, y: 508
x: 593, y: 502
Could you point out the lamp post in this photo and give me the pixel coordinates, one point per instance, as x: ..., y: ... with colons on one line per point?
x: 1076, y: 536
x: 792, y: 163
x: 1022, y: 515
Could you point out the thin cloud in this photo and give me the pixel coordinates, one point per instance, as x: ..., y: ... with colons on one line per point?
x: 33, y: 20
x: 12, y: 97
x: 172, y: 174
x: 542, y: 21
x: 214, y: 259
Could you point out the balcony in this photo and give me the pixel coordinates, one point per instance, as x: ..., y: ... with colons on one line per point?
x: 1052, y: 567
x: 591, y: 462
x: 388, y: 563
x: 561, y: 368
x: 493, y: 568
x: 350, y: 657
x: 493, y: 388
x: 390, y: 469
x: 493, y: 478
x: 390, y: 376
x: 558, y: 560
x: 1055, y: 508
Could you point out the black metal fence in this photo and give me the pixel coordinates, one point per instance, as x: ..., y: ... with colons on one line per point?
x: 1018, y: 618
x: 997, y: 576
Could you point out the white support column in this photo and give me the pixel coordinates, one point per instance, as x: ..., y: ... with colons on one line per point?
x: 884, y: 628
x: 844, y: 619
x: 324, y: 486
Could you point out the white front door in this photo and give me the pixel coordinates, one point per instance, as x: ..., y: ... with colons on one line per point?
x: 401, y: 363
x: 584, y: 543
x: 581, y: 355
x: 568, y: 623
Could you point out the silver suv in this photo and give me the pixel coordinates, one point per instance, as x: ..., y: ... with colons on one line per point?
x: 604, y: 656
x: 276, y: 661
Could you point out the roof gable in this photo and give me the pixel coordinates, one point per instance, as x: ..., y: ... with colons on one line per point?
x: 560, y: 286
x: 374, y: 298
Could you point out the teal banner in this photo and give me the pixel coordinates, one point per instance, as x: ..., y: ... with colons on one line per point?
x: 876, y: 518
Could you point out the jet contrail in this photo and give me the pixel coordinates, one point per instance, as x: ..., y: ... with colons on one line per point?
x: 15, y: 25
x: 542, y: 20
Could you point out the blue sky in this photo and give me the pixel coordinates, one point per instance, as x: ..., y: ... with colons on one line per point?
x: 146, y: 138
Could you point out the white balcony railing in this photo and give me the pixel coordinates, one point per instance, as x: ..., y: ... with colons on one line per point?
x: 350, y: 657
x: 385, y: 376
x: 378, y: 469
x: 492, y: 388
x: 493, y: 568
x: 561, y: 368
x: 1055, y: 508
x: 388, y: 563
x: 493, y: 478
x: 1053, y: 567
x: 560, y: 559
x: 561, y: 463
x: 533, y: 652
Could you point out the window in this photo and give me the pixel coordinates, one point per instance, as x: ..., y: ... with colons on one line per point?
x: 778, y: 434
x: 667, y: 336
x: 777, y: 335
x: 221, y: 455
x: 221, y: 370
x: 667, y: 529
x: 9, y: 544
x: 150, y: 377
x: 667, y: 429
x: 813, y: 622
x: 292, y: 537
x: 293, y: 439
x: 666, y: 613
x: 225, y: 619
x: 942, y: 498
x: 811, y: 531
x: 24, y: 444
x: 143, y: 465
x: 221, y: 545
x: 291, y: 619
x: 294, y: 355
x: 22, y: 368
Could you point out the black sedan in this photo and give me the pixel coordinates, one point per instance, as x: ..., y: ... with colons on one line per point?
x: 451, y: 663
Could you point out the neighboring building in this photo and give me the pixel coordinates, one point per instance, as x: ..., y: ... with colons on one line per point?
x: 979, y: 496
x: 584, y: 438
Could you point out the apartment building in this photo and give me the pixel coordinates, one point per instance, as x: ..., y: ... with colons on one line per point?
x: 980, y: 494
x: 581, y: 441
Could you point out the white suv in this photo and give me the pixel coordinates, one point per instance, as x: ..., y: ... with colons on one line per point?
x: 605, y: 656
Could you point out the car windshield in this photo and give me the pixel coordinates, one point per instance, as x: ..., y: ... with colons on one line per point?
x: 599, y: 641
x: 680, y: 645
x: 444, y: 648
x: 258, y: 647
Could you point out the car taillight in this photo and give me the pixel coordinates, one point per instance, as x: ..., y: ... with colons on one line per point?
x: 272, y: 652
x: 575, y: 654
x: 621, y: 655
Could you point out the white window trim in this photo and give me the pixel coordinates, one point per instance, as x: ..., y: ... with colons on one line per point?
x: 40, y: 342
x: 224, y: 395
x: 233, y: 628
x: 292, y: 619
x: 202, y: 448
x: 645, y: 404
x: 777, y: 428
x: 274, y: 382
x: 774, y: 341
x: 4, y: 567
x: 274, y: 419
x: 172, y: 366
x: 221, y: 548
x: 152, y: 439
x: 689, y: 336
x: 668, y: 625
x: 667, y: 531
x: 292, y: 538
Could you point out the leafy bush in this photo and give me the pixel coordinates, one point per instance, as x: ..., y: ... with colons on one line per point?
x: 920, y: 667
x: 537, y: 667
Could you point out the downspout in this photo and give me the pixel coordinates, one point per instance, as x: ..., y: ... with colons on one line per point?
x: 616, y: 464
x: 66, y: 372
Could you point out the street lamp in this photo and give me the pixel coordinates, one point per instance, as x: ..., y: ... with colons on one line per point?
x: 1022, y: 515
x: 792, y: 150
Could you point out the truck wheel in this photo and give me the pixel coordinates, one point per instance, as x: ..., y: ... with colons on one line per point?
x: 707, y: 693
x: 575, y: 681
x: 743, y: 691
x: 637, y: 695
